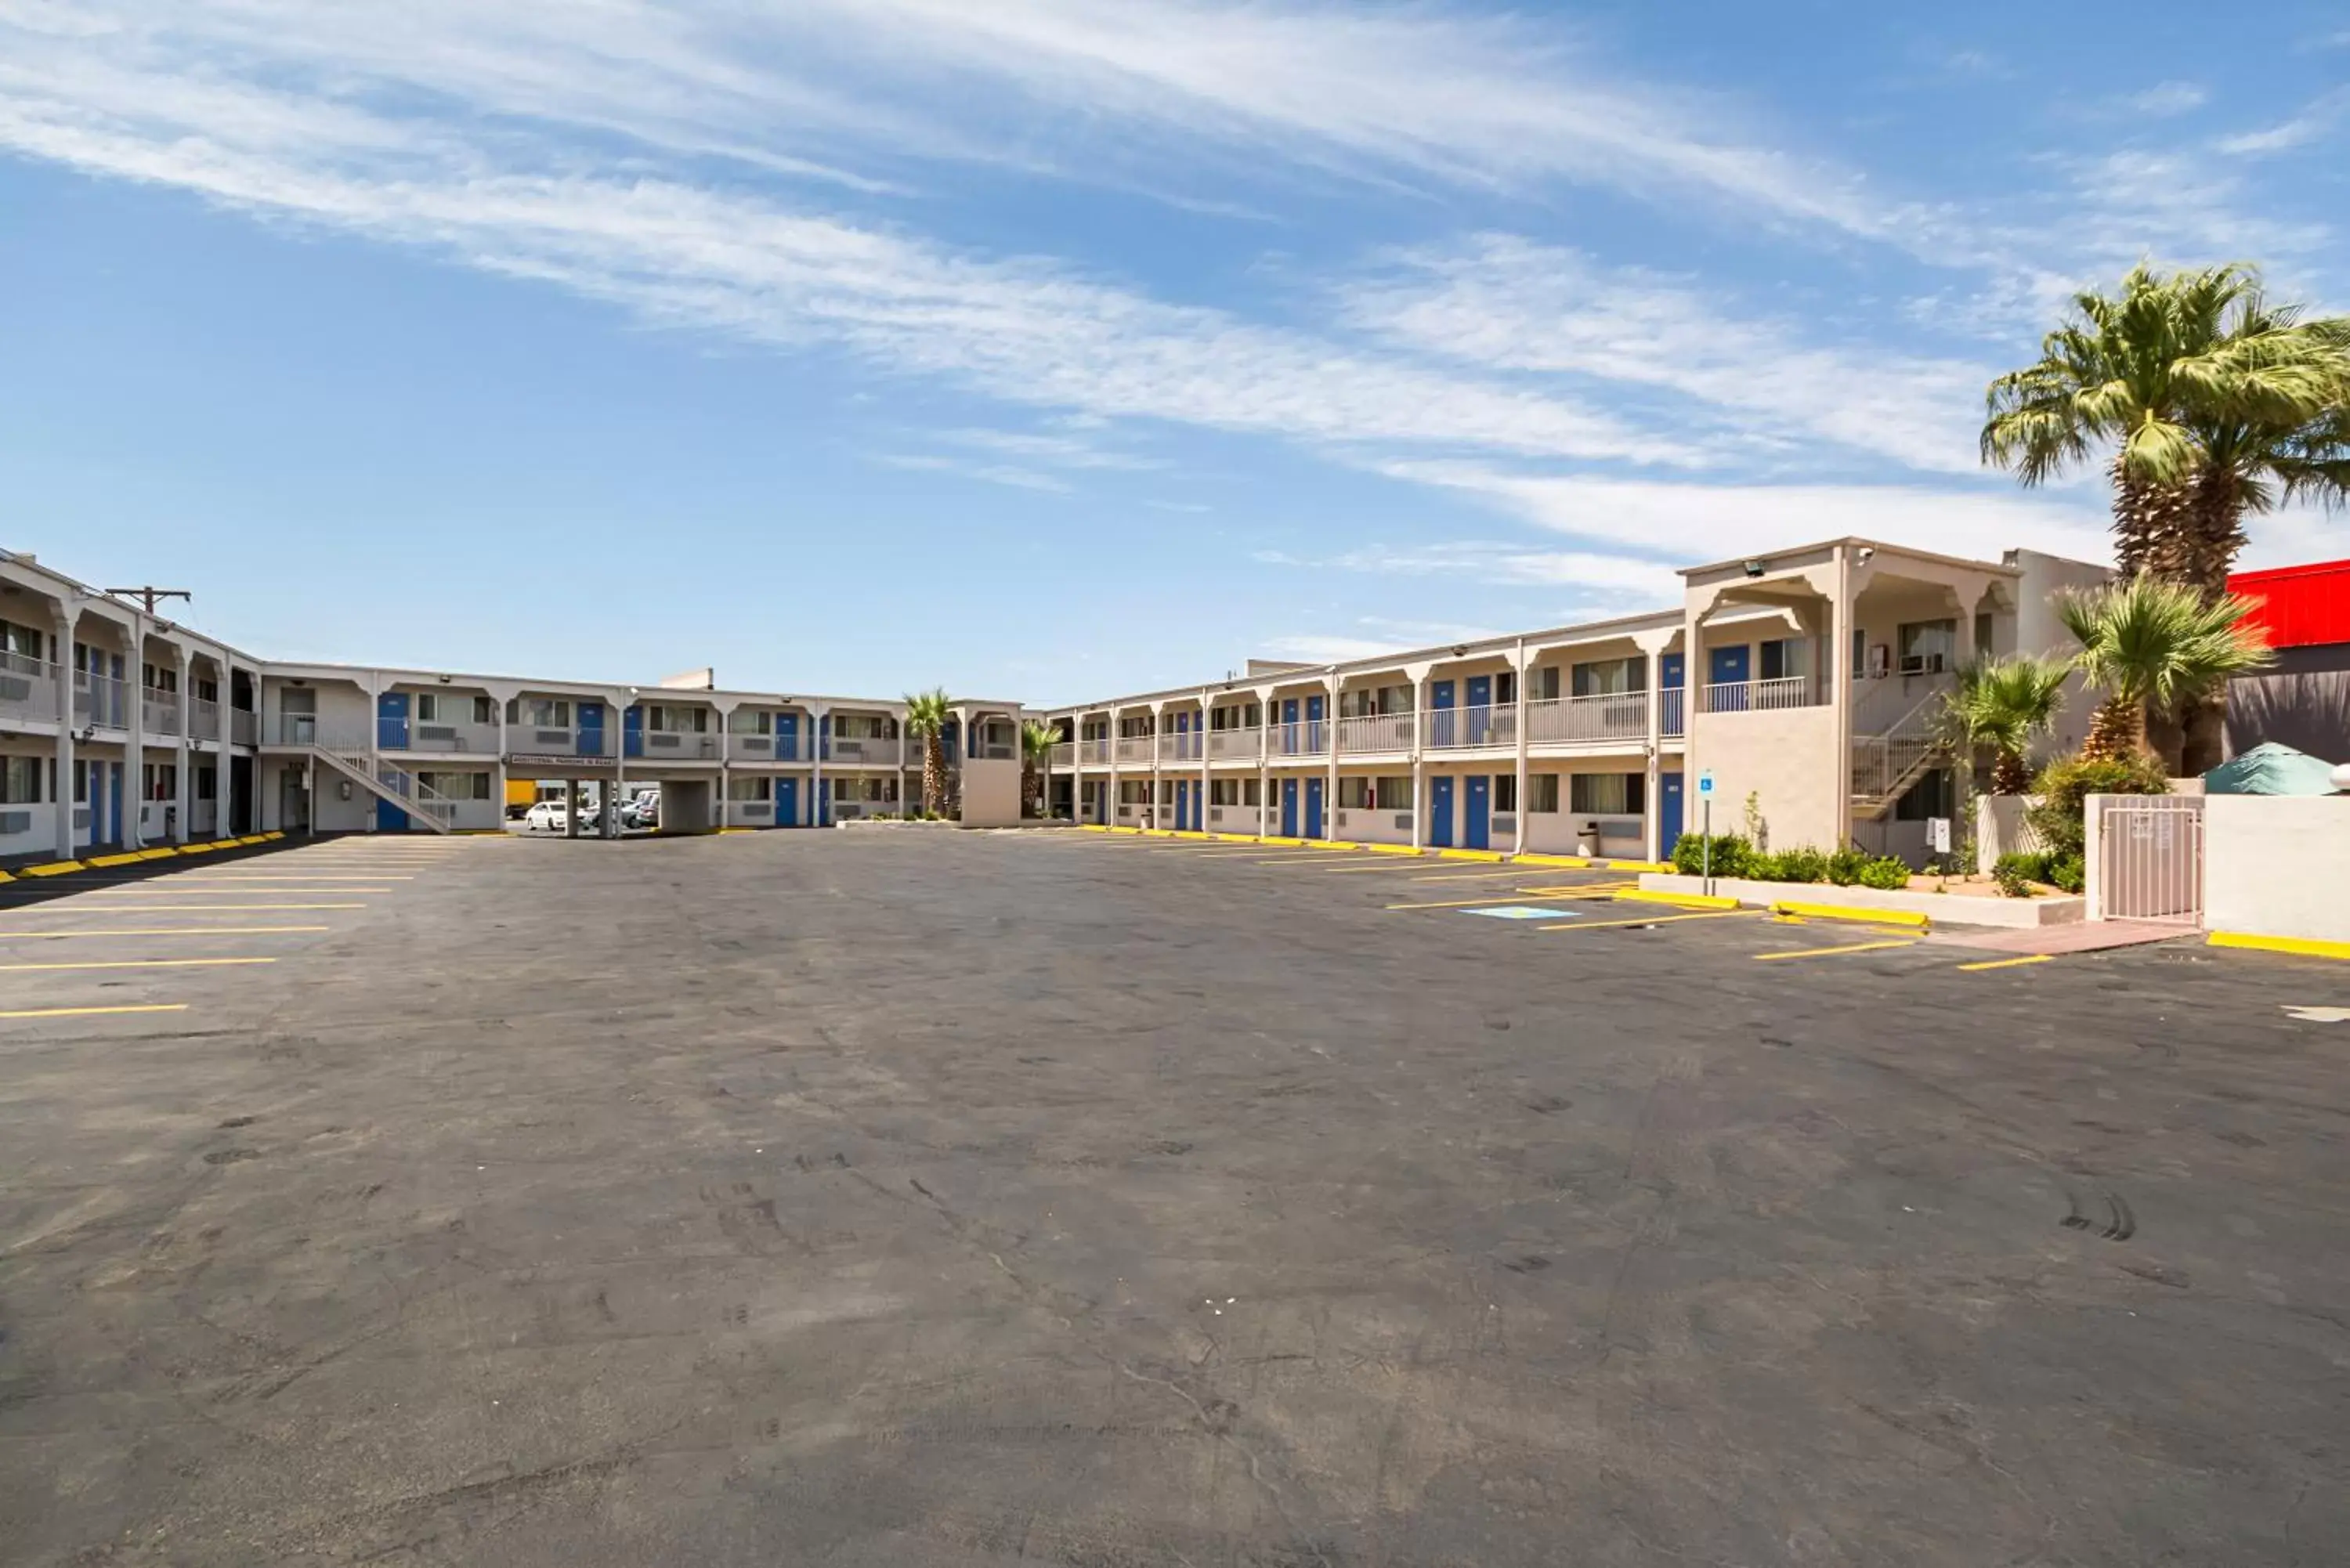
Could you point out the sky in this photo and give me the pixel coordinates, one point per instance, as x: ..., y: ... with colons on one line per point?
x: 1051, y: 350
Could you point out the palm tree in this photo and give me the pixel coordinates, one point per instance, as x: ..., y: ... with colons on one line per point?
x: 2146, y: 641
x: 2005, y: 704
x: 926, y: 720
x: 1038, y: 739
x: 2216, y: 403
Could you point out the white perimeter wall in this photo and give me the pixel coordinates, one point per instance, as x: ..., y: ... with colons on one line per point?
x: 2278, y: 866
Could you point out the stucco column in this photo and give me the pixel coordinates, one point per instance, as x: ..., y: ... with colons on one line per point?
x: 1330, y: 769
x: 1418, y: 758
x: 1652, y: 823
x: 1199, y: 739
x: 64, y: 803
x: 1835, y: 661
x: 819, y: 743
x: 134, y: 755
x: 223, y: 775
x: 1518, y: 817
x: 183, y: 780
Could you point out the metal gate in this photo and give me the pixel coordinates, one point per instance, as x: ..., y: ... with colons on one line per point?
x: 2150, y: 858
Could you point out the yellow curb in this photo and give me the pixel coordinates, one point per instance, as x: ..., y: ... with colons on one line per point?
x: 225, y: 843
x: 1687, y: 900
x: 2302, y: 947
x: 193, y: 849
x: 129, y: 859
x: 1659, y: 866
x: 1850, y: 912
x: 49, y: 868
x: 1831, y: 952
x: 1575, y: 862
x: 1392, y: 849
x: 1286, y: 843
x: 258, y: 838
x: 157, y: 854
x: 1492, y: 855
x: 1330, y: 843
x: 6, y: 877
x: 274, y: 835
x: 1093, y: 828
x: 2008, y: 964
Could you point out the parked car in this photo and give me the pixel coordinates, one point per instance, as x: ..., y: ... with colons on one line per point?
x: 547, y: 816
x: 643, y: 811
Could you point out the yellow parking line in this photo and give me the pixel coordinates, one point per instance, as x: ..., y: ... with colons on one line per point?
x: 1650, y: 920
x: 1323, y: 860
x: 163, y: 931
x: 173, y: 890
x: 134, y: 963
x: 83, y: 906
x: 1685, y: 901
x: 2007, y: 963
x: 1465, y: 876
x: 1497, y: 893
x: 234, y: 878
x: 1830, y: 953
x: 84, y: 1012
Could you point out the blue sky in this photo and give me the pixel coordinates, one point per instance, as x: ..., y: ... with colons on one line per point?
x: 1051, y: 348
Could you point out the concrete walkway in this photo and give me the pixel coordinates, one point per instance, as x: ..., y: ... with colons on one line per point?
x: 2086, y: 936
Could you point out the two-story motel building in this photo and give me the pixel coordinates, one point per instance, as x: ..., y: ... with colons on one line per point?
x: 1807, y: 681
x: 121, y: 728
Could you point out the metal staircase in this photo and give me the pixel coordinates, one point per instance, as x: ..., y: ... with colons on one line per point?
x: 1885, y: 766
x: 395, y: 786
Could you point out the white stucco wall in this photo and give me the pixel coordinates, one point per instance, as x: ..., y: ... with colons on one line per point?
x: 2278, y: 866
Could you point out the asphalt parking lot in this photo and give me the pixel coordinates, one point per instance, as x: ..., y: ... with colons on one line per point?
x: 922, y: 1198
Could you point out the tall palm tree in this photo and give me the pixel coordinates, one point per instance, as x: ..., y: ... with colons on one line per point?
x: 926, y: 720
x: 2006, y: 704
x: 2214, y: 401
x: 2146, y: 641
x: 1038, y: 739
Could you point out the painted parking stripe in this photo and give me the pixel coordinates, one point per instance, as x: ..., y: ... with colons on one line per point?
x: 134, y: 963
x: 163, y: 931
x: 1487, y: 899
x: 1515, y: 912
x: 2008, y: 963
x: 80, y: 907
x: 1656, y: 920
x: 87, y: 1011
x: 1832, y: 952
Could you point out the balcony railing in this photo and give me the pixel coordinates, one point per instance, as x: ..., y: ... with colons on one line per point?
x: 1605, y: 716
x: 204, y: 719
x: 1133, y: 749
x: 1761, y: 696
x: 1375, y: 732
x: 101, y: 700
x: 995, y: 752
x: 459, y: 739
x: 1299, y: 738
x: 756, y: 748
x: 868, y: 749
x: 1670, y: 704
x: 556, y: 740
x: 159, y: 712
x: 676, y: 745
x: 1459, y: 729
x: 1064, y: 755
x: 1093, y: 753
x: 28, y: 689
x: 1182, y: 746
x: 1228, y: 744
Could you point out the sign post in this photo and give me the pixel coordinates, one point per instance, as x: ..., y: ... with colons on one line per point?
x: 1705, y: 828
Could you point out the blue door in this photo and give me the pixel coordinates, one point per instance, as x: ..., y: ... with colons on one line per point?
x: 114, y: 804
x: 389, y: 818
x: 1289, y: 807
x: 1439, y: 724
x: 1727, y: 667
x: 1481, y: 710
x: 632, y: 731
x: 1440, y: 811
x: 787, y: 738
x: 392, y: 722
x: 591, y: 730
x: 787, y: 803
x: 1313, y: 808
x: 1477, y: 833
x: 1287, y: 743
x: 1313, y: 740
x: 823, y: 804
x: 1669, y: 815
x: 1183, y: 802
x: 1672, y: 671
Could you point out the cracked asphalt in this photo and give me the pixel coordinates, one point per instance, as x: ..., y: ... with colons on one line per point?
x: 908, y: 1197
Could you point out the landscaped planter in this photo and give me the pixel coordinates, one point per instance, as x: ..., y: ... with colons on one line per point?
x: 1943, y: 909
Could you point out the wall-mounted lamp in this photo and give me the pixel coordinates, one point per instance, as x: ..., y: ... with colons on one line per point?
x: 1754, y: 569
x: 343, y: 791
x: 1867, y: 554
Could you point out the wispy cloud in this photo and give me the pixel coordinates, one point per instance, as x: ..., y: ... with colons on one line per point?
x: 2311, y: 124
x: 987, y: 473
x: 2165, y: 99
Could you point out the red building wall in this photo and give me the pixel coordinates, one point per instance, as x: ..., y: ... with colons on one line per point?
x: 2304, y: 607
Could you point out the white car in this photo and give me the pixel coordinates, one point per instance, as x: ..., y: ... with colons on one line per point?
x: 547, y: 816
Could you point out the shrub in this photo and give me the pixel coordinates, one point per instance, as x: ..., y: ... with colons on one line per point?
x: 2016, y: 873
x: 1845, y: 865
x: 1888, y: 872
x: 2067, y: 872
x: 2063, y: 784
x: 1732, y: 856
x: 1803, y: 865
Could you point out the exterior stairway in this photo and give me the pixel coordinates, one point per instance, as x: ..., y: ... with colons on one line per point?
x: 395, y: 786
x: 1885, y: 766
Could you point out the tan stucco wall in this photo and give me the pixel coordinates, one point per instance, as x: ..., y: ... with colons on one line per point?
x: 1791, y: 758
x: 991, y: 794
x: 2276, y: 865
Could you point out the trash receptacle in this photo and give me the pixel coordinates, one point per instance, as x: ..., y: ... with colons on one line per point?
x: 1587, y: 840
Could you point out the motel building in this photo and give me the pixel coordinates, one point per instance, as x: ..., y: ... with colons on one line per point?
x: 1808, y: 679
x: 121, y: 729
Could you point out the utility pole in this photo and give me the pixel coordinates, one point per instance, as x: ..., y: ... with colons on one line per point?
x: 151, y: 597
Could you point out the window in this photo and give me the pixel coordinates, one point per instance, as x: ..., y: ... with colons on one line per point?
x: 1859, y: 652
x: 207, y: 691
x: 208, y: 781
x: 161, y: 781
x: 1611, y: 677
x: 1926, y: 647
x: 21, y: 641
x: 753, y: 787
x: 1225, y: 792
x: 1167, y: 792
x: 1505, y: 688
x: 1133, y: 792
x: 1252, y: 791
x: 1607, y: 794
x: 1982, y: 634
x: 1542, y: 792
x: 1787, y: 659
x: 677, y: 721
x: 749, y: 721
x: 456, y: 786
x: 302, y: 701
x: 540, y: 712
x: 1354, y: 795
x: 1930, y: 796
x: 1506, y: 792
x: 160, y: 677
x: 20, y: 781
x: 1542, y: 684
x: 428, y: 708
x: 1393, y: 793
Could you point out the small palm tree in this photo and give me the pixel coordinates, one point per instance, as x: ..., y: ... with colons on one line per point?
x: 2149, y: 641
x: 2006, y: 704
x: 926, y: 720
x: 1038, y: 739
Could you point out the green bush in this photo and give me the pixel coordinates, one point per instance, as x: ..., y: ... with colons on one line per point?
x: 1889, y: 872
x: 1845, y: 865
x: 2016, y: 873
x: 2067, y: 872
x: 1804, y: 865
x: 2057, y: 819
x: 1731, y: 854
